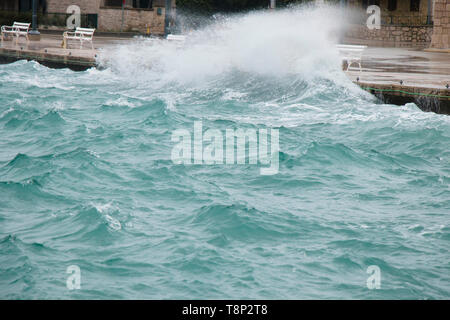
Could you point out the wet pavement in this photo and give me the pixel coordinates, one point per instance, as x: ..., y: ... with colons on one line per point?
x: 413, y: 67
x: 52, y: 44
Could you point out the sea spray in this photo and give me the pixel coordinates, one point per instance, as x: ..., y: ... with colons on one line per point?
x: 271, y: 43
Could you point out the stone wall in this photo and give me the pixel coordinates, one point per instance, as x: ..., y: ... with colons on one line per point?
x: 86, y: 6
x: 402, y: 14
x: 397, y: 36
x: 441, y: 30
x: 110, y: 19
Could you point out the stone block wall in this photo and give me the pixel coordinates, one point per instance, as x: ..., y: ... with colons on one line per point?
x: 402, y: 15
x: 110, y: 19
x: 441, y: 30
x: 398, y: 36
x: 86, y: 6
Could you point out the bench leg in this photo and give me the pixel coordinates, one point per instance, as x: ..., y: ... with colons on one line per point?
x: 349, y: 64
x: 92, y: 45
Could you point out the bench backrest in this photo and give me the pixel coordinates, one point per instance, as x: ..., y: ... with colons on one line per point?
x: 351, y: 50
x: 351, y: 46
x: 173, y: 37
x: 20, y: 26
x: 85, y: 32
x: 347, y: 47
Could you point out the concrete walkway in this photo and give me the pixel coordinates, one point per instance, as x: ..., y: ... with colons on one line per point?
x: 413, y: 67
x: 399, y: 76
x: 49, y: 50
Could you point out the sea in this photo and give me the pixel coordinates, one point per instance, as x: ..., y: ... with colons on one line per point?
x: 93, y: 204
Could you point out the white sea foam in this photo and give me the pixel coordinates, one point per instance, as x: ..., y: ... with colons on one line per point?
x: 123, y: 102
x: 107, y: 210
x: 294, y: 41
x: 113, y: 223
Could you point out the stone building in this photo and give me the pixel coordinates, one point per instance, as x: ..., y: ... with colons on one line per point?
x: 419, y: 23
x: 404, y: 12
x: 441, y: 28
x: 106, y: 15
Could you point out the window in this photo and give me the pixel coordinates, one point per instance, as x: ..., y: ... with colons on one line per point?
x: 366, y: 3
x: 139, y: 4
x: 113, y: 3
x: 25, y: 5
x: 392, y: 5
x: 414, y: 5
x: 142, y: 4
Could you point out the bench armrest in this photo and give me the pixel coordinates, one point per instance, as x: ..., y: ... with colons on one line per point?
x: 69, y: 33
x: 8, y: 28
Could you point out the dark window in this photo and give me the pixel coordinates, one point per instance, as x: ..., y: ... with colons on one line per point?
x: 142, y: 4
x: 43, y: 5
x: 25, y: 5
x: 366, y: 3
x: 113, y: 3
x: 415, y: 5
x: 392, y: 5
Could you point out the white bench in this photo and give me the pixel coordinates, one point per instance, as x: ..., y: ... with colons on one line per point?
x: 80, y: 34
x: 176, y: 38
x: 352, y: 54
x: 17, y: 29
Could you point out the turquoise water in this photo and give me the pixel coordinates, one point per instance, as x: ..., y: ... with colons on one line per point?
x: 86, y: 177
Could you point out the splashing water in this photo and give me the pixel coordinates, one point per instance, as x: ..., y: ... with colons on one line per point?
x: 87, y: 177
x: 264, y: 43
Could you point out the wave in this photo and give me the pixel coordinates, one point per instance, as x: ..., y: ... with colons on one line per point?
x: 297, y: 41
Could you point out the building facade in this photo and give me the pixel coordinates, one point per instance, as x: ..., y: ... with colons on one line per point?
x: 420, y: 23
x: 144, y: 16
x: 441, y: 27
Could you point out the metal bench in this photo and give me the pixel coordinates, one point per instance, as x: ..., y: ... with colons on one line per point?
x: 80, y: 34
x: 17, y: 29
x: 352, y: 54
